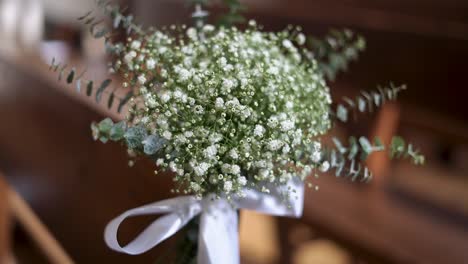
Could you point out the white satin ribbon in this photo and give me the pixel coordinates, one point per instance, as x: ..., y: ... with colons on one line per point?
x: 218, y: 238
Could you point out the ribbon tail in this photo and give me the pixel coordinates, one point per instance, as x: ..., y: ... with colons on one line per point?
x: 218, y: 240
x: 180, y: 210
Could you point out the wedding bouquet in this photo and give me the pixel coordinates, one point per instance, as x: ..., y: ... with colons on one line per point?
x: 237, y: 114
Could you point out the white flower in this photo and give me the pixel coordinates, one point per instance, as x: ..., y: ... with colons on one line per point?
x: 178, y: 95
x: 215, y: 138
x: 227, y: 186
x: 159, y: 162
x: 261, y: 164
x: 162, y: 50
x: 184, y: 74
x: 246, y: 113
x: 259, y: 130
x: 325, y: 166
x: 151, y: 102
x: 235, y: 169
x: 263, y: 173
x: 167, y: 135
x: 287, y: 43
x: 275, y: 144
x: 195, y: 186
x: 128, y: 58
x: 145, y: 120
x: 226, y: 168
x: 242, y: 180
x: 286, y: 149
x: 141, y: 79
x: 198, y: 109
x: 188, y: 134
x: 287, y: 125
x: 233, y: 154
x: 317, y: 145
x: 316, y: 156
x: 222, y: 61
x: 272, y: 121
x: 297, y: 137
x: 173, y: 166
x: 257, y: 37
x: 150, y: 64
x: 300, y: 38
x: 208, y: 28
x: 165, y: 97
x: 201, y: 169
x: 210, y: 152
x: 192, y: 33
x: 273, y: 70
x: 135, y: 44
x: 228, y: 83
x: 219, y: 103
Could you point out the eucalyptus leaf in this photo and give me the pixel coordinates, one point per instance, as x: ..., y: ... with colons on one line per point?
x: 101, y: 89
x: 105, y: 125
x: 365, y: 145
x: 152, y: 144
x: 134, y: 136
x: 78, y: 85
x: 110, y: 101
x: 85, y: 15
x: 117, y: 131
x: 101, y: 33
x: 342, y: 113
x: 89, y: 88
x: 124, y: 101
x: 70, y: 76
x: 353, y: 148
x: 338, y: 145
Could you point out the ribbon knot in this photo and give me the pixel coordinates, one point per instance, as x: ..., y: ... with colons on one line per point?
x: 218, y: 239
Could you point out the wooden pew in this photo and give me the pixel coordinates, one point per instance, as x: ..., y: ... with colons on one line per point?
x: 5, y: 227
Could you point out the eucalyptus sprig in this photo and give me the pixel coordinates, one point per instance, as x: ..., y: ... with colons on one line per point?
x: 350, y: 158
x: 366, y: 102
x: 336, y: 50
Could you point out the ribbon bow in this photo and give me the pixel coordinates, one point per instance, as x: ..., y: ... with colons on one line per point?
x: 218, y: 239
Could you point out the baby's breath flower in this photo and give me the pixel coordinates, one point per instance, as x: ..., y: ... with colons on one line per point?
x: 150, y: 64
x: 242, y: 180
x: 142, y: 79
x: 259, y: 130
x: 167, y: 135
x: 325, y: 166
x: 227, y: 186
x: 135, y: 44
x: 228, y: 102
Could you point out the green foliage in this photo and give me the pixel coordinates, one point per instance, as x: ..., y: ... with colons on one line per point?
x: 117, y: 131
x: 233, y: 15
x: 367, y: 101
x: 78, y: 80
x: 101, y: 89
x: 102, y: 130
x: 152, y: 144
x: 336, y: 50
x: 348, y: 159
x: 134, y: 137
x: 99, y: 29
x: 398, y: 149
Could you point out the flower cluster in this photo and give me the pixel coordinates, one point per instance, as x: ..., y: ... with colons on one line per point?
x: 226, y: 109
